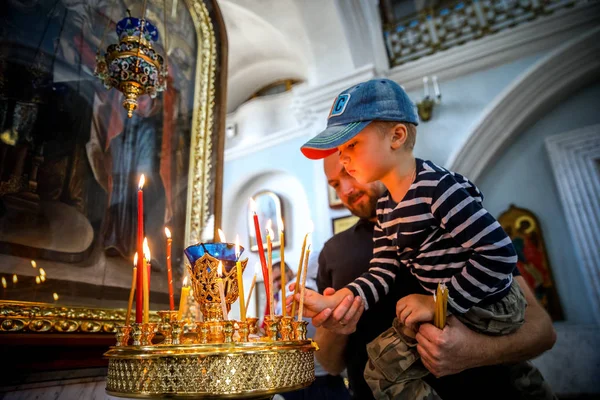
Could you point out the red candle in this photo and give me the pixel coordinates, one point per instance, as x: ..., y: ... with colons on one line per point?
x: 139, y: 300
x: 261, y: 253
x: 169, y: 272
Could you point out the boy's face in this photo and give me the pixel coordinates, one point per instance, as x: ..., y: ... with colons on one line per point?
x: 368, y: 156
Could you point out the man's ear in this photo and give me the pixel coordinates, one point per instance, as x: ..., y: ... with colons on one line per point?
x: 398, y: 137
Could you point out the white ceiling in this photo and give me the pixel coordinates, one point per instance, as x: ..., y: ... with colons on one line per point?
x: 267, y: 43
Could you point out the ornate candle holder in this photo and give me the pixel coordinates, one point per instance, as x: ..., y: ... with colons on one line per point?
x: 167, y: 321
x: 122, y: 334
x: 148, y: 332
x: 228, y: 331
x: 271, y: 327
x: 204, y: 359
x: 243, y: 331
x: 202, y: 331
x: 136, y: 334
x: 204, y: 259
x: 299, y: 328
x: 285, y: 328
x: 252, y: 325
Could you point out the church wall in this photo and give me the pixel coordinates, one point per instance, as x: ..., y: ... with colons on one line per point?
x: 523, y: 176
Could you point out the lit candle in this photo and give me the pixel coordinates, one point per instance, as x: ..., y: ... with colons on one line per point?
x: 43, y: 278
x: 55, y: 296
x: 282, y: 259
x: 185, y: 292
x: 146, y: 283
x: 261, y: 250
x: 4, y: 286
x: 221, y: 290
x: 304, y: 273
x: 169, y: 271
x: 436, y: 87
x: 132, y: 290
x: 270, y: 269
x: 222, y: 236
x: 37, y: 280
x: 140, y: 249
x: 256, y: 266
x: 33, y: 264
x: 15, y: 279
x: 240, y: 279
x: 299, y: 271
x: 426, y: 86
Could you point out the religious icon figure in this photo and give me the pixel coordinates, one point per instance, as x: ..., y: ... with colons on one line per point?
x: 523, y: 228
x: 268, y: 207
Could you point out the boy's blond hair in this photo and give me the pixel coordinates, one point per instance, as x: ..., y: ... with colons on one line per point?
x: 411, y: 131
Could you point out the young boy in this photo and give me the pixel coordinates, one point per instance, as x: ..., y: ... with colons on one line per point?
x: 430, y: 220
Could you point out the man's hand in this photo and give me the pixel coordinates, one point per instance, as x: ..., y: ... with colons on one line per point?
x: 448, y: 351
x: 343, y: 319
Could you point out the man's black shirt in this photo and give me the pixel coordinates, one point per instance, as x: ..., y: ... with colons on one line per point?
x: 344, y: 258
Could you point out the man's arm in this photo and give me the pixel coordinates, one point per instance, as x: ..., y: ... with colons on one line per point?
x: 333, y: 328
x: 456, y: 347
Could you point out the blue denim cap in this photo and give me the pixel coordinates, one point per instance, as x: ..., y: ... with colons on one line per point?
x: 355, y: 108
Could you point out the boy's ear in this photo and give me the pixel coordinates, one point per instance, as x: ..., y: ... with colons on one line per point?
x: 399, y: 135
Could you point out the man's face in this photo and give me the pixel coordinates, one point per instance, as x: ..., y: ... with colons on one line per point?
x: 360, y: 199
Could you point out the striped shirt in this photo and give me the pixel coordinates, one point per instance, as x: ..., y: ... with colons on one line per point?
x: 442, y: 233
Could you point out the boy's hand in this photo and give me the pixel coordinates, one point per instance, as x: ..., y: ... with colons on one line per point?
x: 414, y: 309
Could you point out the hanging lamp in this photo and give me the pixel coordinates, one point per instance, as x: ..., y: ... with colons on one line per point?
x: 132, y: 66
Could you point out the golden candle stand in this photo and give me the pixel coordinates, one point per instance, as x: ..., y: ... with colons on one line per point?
x: 213, y: 358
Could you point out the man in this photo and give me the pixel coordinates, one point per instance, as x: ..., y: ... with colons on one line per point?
x: 343, y: 333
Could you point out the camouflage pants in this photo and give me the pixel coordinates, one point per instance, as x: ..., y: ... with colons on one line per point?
x: 394, y: 369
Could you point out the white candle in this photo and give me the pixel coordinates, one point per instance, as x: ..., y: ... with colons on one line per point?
x: 436, y: 87
x: 426, y: 86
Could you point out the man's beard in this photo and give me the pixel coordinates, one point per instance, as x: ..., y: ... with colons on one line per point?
x: 364, y: 209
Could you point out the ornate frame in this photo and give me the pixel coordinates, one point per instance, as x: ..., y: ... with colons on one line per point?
x: 204, y: 184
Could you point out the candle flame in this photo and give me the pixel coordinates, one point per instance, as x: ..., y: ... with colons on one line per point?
x: 220, y: 269
x: 55, y: 295
x: 252, y: 205
x: 37, y: 280
x: 146, y: 249
x: 257, y: 268
x: 141, y: 183
x: 185, y: 281
x: 43, y: 278
x: 222, y: 236
x: 4, y: 282
x: 15, y: 279
x: 237, y: 246
x: 42, y: 272
x: 167, y: 233
x: 135, y: 259
x: 33, y: 264
x: 269, y: 230
x: 311, y: 226
x: 280, y: 223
